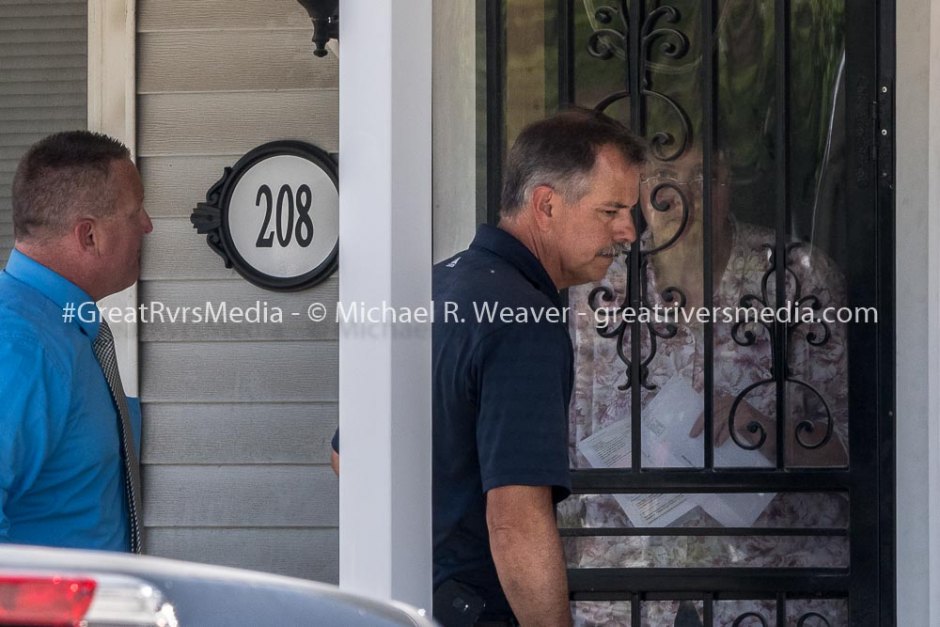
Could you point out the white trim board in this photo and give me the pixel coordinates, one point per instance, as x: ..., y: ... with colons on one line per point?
x: 112, y: 110
x: 918, y: 312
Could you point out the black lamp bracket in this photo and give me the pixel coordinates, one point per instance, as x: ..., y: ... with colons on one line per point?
x: 325, y: 17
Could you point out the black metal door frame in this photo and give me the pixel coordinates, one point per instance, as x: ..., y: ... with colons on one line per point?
x: 869, y: 581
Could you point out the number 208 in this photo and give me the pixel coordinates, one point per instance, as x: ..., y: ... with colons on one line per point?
x: 299, y: 204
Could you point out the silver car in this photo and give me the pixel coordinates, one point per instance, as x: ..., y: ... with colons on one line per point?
x: 46, y: 587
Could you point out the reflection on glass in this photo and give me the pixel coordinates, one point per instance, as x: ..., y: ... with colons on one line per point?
x: 746, y: 613
x: 799, y: 613
x: 599, y: 613
x: 818, y: 211
x: 749, y: 249
x: 784, y: 510
x: 691, y: 613
x: 598, y: 64
x: 706, y: 552
x: 529, y: 94
x: 751, y: 359
x: 744, y: 313
x: 662, y: 613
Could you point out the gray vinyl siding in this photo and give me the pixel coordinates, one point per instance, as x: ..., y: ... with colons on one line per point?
x: 43, y: 83
x: 237, y: 417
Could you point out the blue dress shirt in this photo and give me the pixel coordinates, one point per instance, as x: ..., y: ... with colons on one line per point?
x: 61, y: 474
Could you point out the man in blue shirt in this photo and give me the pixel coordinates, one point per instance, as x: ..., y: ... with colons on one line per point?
x: 502, y: 368
x: 79, y: 222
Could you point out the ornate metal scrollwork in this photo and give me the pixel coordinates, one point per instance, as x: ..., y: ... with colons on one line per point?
x: 610, y: 37
x: 207, y: 218
x: 674, y: 45
x: 672, y: 296
x: 661, y: 140
x: 739, y: 621
x: 805, y: 617
x: 618, y: 331
x: 607, y: 41
x: 610, y: 99
x: 748, y: 338
x: 603, y: 42
x: 658, y: 27
x: 658, y: 204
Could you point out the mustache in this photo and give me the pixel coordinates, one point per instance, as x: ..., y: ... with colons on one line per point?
x: 613, y: 250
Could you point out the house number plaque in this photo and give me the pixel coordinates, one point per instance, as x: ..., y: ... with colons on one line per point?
x: 274, y: 216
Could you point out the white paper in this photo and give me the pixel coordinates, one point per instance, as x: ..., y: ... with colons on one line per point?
x: 666, y: 422
x: 610, y: 448
x: 737, y: 510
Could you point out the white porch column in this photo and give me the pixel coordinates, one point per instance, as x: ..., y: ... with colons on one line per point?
x: 918, y: 312
x: 385, y: 257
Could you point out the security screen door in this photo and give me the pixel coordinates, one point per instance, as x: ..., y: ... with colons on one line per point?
x: 732, y: 449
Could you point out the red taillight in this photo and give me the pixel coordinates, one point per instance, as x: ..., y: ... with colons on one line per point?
x: 45, y: 601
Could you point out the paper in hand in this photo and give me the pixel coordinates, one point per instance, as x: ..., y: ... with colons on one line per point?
x: 666, y: 422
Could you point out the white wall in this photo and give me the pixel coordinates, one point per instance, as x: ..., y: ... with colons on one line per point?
x: 454, y: 126
x: 918, y: 311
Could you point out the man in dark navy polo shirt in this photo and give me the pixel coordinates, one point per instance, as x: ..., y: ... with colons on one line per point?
x: 502, y: 368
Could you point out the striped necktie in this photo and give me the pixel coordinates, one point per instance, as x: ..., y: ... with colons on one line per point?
x: 104, y: 352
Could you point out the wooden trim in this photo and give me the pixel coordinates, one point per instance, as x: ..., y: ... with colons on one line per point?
x: 112, y: 81
x: 112, y: 69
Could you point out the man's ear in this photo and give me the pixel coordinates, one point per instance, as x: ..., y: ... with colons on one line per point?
x: 542, y: 198
x: 85, y: 234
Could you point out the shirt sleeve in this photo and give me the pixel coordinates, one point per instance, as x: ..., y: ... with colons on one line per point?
x: 524, y: 374
x: 32, y: 419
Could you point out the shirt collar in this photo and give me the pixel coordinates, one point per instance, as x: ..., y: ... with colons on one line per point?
x: 56, y: 288
x: 507, y: 247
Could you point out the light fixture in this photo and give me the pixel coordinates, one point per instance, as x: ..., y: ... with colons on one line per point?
x: 325, y: 17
